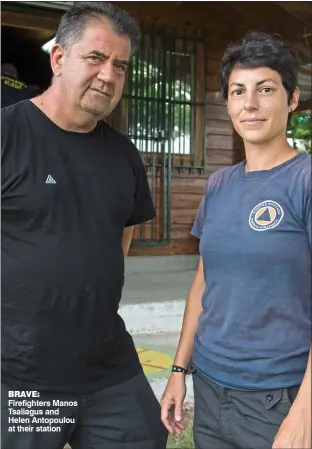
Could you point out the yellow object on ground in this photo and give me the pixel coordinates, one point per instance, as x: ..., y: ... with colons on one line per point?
x: 154, y: 361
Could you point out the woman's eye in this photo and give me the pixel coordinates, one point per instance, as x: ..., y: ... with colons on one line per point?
x: 237, y: 92
x: 267, y: 90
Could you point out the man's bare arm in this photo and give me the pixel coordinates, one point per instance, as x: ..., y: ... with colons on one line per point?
x: 126, y: 239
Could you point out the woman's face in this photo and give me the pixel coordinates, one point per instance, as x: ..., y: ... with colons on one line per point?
x: 258, y: 104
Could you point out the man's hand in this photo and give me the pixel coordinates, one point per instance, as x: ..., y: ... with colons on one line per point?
x: 295, y: 431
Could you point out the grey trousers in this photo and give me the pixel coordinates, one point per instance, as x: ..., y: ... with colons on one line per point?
x: 233, y: 419
x: 126, y: 416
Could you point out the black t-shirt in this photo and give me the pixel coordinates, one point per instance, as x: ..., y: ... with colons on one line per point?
x: 13, y: 91
x: 66, y: 199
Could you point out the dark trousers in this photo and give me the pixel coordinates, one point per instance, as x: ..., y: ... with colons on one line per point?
x: 233, y: 419
x: 126, y: 416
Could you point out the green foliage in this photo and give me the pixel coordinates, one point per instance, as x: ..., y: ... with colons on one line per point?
x: 300, y: 128
x: 184, y: 441
x: 159, y: 100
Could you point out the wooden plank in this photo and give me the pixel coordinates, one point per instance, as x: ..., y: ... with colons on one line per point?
x: 214, y: 97
x: 217, y: 112
x: 179, y: 232
x: 269, y: 17
x: 185, y: 201
x: 223, y: 142
x: 182, y: 227
x: 188, y: 189
x: 183, y: 217
x: 212, y: 82
x: 213, y: 66
x: 180, y: 15
x: 219, y: 127
x: 176, y: 247
x: 180, y: 200
x: 212, y: 168
x: 301, y: 10
x: 188, y: 185
x: 220, y: 157
x: 45, y: 21
x: 197, y: 173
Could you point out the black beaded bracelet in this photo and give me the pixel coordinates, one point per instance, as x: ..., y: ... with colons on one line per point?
x: 178, y: 369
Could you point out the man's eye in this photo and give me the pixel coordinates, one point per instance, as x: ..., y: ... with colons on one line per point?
x: 121, y: 67
x: 94, y: 58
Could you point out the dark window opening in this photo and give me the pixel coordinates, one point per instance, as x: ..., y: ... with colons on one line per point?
x: 22, y: 48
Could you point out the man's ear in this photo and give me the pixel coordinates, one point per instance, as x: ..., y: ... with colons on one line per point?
x: 57, y: 58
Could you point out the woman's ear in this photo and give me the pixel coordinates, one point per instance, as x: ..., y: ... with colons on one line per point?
x: 295, y: 100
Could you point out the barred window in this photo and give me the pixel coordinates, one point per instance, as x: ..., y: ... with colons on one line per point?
x: 163, y: 108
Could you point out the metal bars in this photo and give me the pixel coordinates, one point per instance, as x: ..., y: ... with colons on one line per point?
x: 163, y: 113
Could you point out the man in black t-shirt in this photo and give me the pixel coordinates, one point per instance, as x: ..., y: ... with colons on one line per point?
x: 72, y: 190
x: 14, y: 90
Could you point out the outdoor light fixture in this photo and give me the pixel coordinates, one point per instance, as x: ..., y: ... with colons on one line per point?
x: 48, y: 45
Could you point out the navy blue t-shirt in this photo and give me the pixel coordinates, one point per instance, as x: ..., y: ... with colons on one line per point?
x: 255, y: 242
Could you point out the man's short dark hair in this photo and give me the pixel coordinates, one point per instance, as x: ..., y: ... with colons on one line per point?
x: 257, y: 49
x: 74, y: 21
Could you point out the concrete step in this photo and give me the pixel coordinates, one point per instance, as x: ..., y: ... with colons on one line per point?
x: 156, y: 287
x: 160, y: 264
x: 153, y: 317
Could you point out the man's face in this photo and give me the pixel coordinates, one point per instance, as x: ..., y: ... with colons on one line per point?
x: 258, y: 104
x: 93, y: 70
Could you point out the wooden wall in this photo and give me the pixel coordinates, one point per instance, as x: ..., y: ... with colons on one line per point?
x: 223, y: 148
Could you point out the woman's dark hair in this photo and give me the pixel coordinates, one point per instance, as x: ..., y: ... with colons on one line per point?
x: 258, y: 49
x: 74, y: 21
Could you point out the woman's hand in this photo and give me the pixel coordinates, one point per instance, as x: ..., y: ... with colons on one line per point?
x: 172, y: 404
x: 295, y: 430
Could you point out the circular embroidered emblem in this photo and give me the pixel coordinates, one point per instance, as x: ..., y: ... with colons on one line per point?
x: 266, y: 215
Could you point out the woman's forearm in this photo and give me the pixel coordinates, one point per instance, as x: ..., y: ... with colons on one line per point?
x: 303, y: 399
x: 192, y: 313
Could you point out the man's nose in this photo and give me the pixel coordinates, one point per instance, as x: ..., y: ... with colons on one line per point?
x: 106, y: 73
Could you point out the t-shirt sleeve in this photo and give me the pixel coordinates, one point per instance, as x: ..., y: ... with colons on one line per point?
x: 198, y: 225
x: 143, y: 207
x: 197, y: 228
x: 212, y: 183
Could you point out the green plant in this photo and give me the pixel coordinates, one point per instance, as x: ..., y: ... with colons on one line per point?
x: 300, y: 129
x: 184, y: 441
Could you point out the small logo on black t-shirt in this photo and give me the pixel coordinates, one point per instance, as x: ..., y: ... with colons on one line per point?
x: 50, y: 180
x: 266, y: 215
